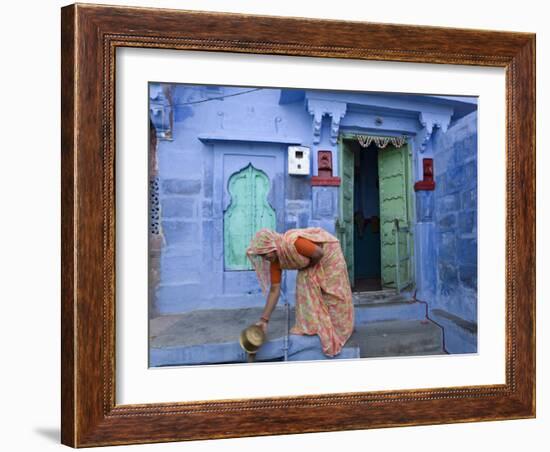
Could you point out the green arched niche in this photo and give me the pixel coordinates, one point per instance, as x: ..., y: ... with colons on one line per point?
x: 248, y: 212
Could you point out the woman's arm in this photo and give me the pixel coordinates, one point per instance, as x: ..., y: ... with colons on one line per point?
x: 271, y: 302
x: 309, y: 249
x: 316, y: 256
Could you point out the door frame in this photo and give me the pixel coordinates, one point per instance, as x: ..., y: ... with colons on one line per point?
x: 341, y: 139
x: 411, y: 214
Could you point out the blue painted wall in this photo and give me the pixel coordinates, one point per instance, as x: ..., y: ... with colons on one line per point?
x: 216, y: 132
x: 455, y: 233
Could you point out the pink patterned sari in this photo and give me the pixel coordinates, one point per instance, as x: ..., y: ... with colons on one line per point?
x: 323, y: 295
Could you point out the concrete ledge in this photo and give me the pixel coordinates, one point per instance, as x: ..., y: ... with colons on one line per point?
x: 212, y: 137
x: 196, y: 354
x: 300, y: 348
x: 305, y: 348
x: 460, y: 334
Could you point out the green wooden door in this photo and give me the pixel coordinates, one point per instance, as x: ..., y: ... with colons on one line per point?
x: 345, y: 222
x: 248, y: 212
x: 395, y: 216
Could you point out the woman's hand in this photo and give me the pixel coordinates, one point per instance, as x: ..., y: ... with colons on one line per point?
x: 263, y: 325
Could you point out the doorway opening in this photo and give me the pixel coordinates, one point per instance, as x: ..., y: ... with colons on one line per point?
x: 366, y: 219
x: 375, y: 223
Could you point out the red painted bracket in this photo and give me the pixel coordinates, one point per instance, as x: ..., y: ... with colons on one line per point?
x: 331, y: 181
x: 325, y: 177
x: 427, y: 183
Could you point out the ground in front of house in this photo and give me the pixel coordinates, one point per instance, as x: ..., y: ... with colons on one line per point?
x: 386, y: 325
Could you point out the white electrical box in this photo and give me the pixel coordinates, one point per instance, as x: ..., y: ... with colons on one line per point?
x: 298, y: 160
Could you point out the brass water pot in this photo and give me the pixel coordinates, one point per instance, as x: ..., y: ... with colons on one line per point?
x: 252, y: 338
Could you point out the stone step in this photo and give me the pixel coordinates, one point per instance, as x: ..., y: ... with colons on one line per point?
x: 382, y: 296
x: 398, y: 338
x: 391, y: 309
x: 373, y: 296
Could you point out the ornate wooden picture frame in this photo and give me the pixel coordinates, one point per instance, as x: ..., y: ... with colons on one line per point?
x: 90, y: 37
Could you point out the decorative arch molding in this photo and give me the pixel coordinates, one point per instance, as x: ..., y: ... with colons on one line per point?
x: 429, y: 122
x: 319, y: 108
